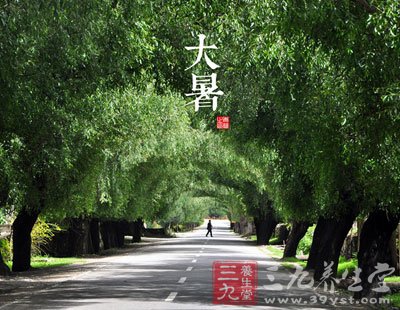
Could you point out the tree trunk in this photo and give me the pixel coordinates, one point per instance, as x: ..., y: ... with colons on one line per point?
x: 297, y: 232
x: 392, y: 253
x: 74, y: 241
x: 95, y: 235
x: 374, y: 242
x: 281, y: 233
x: 119, y: 234
x: 360, y: 223
x: 137, y: 230
x: 79, y: 237
x: 328, y: 239
x: 264, y: 228
x: 107, y: 235
x: 22, y: 228
x: 316, y: 245
x: 112, y: 234
x: 4, y: 270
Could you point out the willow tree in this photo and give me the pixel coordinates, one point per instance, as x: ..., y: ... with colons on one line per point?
x: 50, y: 68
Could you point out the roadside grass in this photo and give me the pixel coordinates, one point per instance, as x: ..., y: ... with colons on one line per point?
x: 394, y: 299
x: 272, y: 241
x: 51, y: 262
x: 275, y: 252
x: 291, y: 262
x: 392, y: 279
x: 349, y: 265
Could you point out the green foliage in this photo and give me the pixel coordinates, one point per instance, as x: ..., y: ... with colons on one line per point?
x: 186, y: 209
x: 394, y: 299
x: 217, y: 210
x: 41, y: 235
x: 305, y: 243
x: 3, y: 218
x: 6, y: 249
x: 93, y: 120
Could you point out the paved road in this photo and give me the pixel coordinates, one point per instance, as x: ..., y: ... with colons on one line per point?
x: 173, y: 274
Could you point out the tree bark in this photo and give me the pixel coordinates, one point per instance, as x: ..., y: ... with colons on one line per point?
x: 22, y: 242
x: 119, y: 234
x: 95, y: 235
x: 264, y: 228
x: 316, y: 245
x: 392, y: 253
x: 4, y: 270
x: 328, y: 239
x: 297, y: 232
x: 79, y: 237
x: 107, y: 235
x: 360, y: 223
x: 112, y: 234
x: 137, y: 230
x: 74, y: 241
x: 375, y: 238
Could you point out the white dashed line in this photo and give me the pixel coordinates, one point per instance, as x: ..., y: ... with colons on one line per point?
x: 194, y: 261
x: 182, y: 280
x: 189, y: 268
x: 197, y: 255
x: 171, y: 296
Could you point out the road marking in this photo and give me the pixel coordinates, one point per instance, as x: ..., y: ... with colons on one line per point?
x: 194, y: 261
x: 197, y: 255
x: 189, y: 268
x: 182, y: 280
x: 171, y: 296
x: 201, y: 251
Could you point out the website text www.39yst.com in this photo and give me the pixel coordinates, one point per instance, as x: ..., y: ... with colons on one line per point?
x: 326, y: 300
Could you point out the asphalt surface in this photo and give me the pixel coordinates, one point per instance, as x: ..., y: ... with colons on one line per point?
x: 174, y: 273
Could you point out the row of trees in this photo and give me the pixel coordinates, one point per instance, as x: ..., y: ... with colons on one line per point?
x: 312, y: 89
x: 93, y: 123
x: 86, y: 131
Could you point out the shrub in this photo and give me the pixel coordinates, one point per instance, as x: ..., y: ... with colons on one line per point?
x: 305, y: 243
x: 41, y: 235
x: 5, y: 249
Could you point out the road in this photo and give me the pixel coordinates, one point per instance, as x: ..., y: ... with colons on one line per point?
x: 173, y: 274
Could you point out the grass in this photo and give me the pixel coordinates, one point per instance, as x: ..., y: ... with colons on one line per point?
x: 344, y: 265
x: 392, y: 279
x: 51, y: 262
x: 394, y: 299
x: 275, y: 252
x: 291, y: 262
x: 272, y: 241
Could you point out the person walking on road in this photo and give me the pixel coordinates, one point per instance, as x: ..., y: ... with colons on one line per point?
x: 209, y: 228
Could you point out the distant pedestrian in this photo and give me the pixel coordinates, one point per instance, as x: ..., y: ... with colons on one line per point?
x: 209, y: 228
